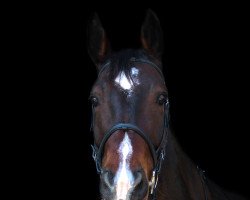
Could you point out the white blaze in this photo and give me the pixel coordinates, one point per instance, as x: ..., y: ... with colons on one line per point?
x: 124, y: 178
x: 125, y: 82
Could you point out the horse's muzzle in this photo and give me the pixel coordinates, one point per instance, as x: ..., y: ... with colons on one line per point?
x: 110, y: 190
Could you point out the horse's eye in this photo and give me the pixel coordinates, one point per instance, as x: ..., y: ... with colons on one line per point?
x: 94, y: 101
x: 161, y: 99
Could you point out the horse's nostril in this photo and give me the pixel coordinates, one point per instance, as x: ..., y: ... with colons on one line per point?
x: 108, y: 179
x: 138, y: 179
x: 140, y: 185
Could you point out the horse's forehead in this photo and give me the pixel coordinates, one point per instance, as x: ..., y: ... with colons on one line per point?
x: 137, y: 79
x: 129, y: 81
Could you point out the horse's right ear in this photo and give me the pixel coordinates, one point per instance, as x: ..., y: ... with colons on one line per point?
x: 97, y: 42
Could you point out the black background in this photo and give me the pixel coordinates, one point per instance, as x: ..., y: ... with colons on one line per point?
x: 206, y: 70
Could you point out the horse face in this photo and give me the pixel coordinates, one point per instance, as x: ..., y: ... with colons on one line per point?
x: 136, y: 99
x: 131, y: 93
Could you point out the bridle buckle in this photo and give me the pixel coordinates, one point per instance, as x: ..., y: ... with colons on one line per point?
x: 153, y: 182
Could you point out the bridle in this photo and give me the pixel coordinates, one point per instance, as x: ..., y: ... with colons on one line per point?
x: 158, y: 154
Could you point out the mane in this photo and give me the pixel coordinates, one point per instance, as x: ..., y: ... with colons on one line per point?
x: 121, y: 61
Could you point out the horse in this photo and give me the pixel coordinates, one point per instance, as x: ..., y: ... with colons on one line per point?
x: 135, y: 151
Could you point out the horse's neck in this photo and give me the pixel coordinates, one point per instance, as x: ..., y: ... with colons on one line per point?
x: 179, y: 178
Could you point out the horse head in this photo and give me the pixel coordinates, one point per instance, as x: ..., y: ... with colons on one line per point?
x: 130, y: 112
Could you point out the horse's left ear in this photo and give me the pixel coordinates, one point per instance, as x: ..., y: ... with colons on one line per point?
x: 152, y: 35
x: 98, y: 44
